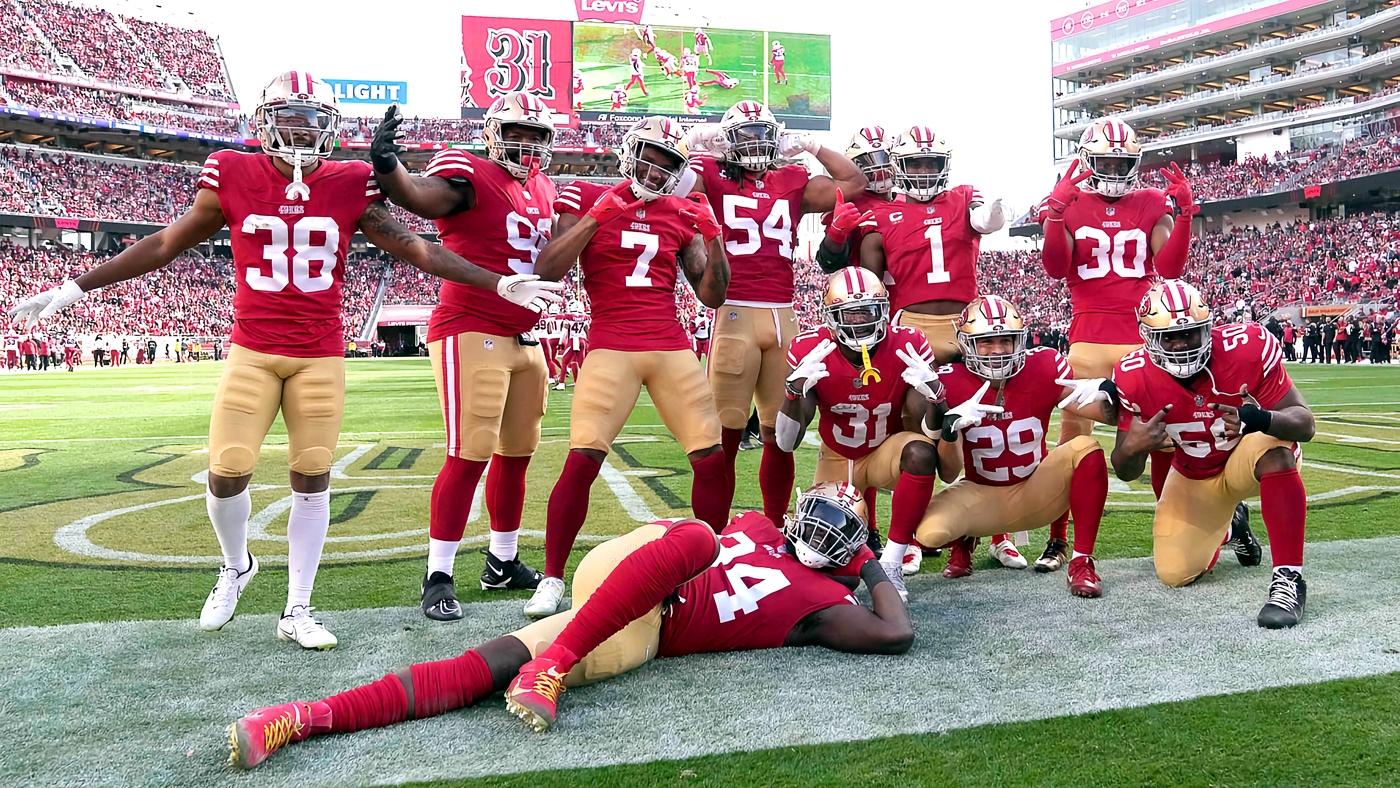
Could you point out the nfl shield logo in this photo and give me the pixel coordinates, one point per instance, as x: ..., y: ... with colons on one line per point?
x: 858, y: 383
x: 758, y: 184
x: 929, y: 209
x: 1110, y: 210
x: 733, y: 315
x: 641, y: 214
x: 1200, y: 401
x: 488, y: 344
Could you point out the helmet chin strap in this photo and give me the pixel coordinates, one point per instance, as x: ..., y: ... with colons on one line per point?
x: 297, y: 190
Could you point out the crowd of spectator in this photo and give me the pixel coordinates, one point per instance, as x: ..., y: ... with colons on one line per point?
x: 189, y: 54
x: 58, y: 97
x: 92, y: 188
x: 361, y: 129
x: 95, y: 41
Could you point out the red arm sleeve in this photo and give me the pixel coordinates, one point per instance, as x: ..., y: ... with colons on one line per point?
x: 1056, y: 254
x: 1171, y: 261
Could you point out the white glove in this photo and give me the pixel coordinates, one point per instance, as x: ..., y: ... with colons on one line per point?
x: 793, y: 143
x: 528, y: 291
x: 987, y: 218
x: 707, y: 139
x: 1084, y: 392
x: 919, y: 375
x: 46, y: 304
x: 970, y: 413
x: 811, y: 368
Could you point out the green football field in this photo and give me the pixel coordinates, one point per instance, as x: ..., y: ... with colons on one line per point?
x: 106, y: 556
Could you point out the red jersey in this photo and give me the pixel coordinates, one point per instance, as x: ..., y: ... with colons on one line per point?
x: 856, y: 417
x: 1007, y: 447
x: 760, y: 215
x: 1111, y: 264
x: 930, y: 249
x: 503, y: 233
x: 750, y: 598
x: 629, y: 271
x: 1242, y: 355
x: 289, y: 255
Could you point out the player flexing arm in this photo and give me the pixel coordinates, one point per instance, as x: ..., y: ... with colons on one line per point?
x: 666, y: 589
x: 870, y: 151
x: 1220, y: 395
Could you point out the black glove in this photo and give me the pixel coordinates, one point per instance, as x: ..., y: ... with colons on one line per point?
x: 1254, y: 418
x: 385, y: 149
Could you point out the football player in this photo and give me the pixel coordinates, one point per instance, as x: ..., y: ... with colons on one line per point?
x: 621, y: 620
x: 670, y: 66
x: 703, y: 46
x: 847, y: 225
x: 550, y: 330
x: 291, y: 212
x: 693, y: 101
x: 720, y: 78
x: 575, y: 345
x: 635, y: 64
x: 1109, y: 241
x: 490, y: 371
x: 878, y: 373
x: 1220, y: 395
x: 626, y: 240
x: 578, y: 90
x: 997, y: 435
x: 777, y: 57
x: 690, y: 64
x: 619, y: 98
x: 761, y: 196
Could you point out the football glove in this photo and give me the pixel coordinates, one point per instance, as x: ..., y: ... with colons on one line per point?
x: 698, y: 213
x: 1179, y: 189
x: 46, y: 304
x: 615, y: 202
x: 810, y: 369
x: 968, y: 414
x: 384, y: 150
x: 1084, y: 392
x: 792, y: 144
x: 1066, y: 190
x: 529, y: 291
x: 707, y: 139
x: 845, y: 217
x: 919, y: 375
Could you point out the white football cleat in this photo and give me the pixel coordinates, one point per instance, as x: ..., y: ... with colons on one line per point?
x: 298, y: 625
x: 549, y: 595
x: 559, y: 387
x: 913, y: 559
x: 219, y: 607
x: 1005, y: 552
x: 895, y: 573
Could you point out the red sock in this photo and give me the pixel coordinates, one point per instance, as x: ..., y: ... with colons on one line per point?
x: 505, y: 491
x: 775, y: 476
x: 1060, y: 528
x: 1284, y: 504
x: 869, y: 495
x: 907, y: 507
x: 1161, y: 463
x: 452, y: 498
x: 374, y: 705
x: 640, y: 582
x: 1088, y: 490
x: 568, y: 508
x: 707, y: 491
x: 730, y: 440
x: 449, y: 684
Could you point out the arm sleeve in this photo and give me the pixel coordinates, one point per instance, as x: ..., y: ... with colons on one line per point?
x: 570, y: 201
x: 1056, y: 254
x: 209, y: 176
x: 1171, y: 261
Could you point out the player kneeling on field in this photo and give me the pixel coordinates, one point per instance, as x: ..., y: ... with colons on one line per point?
x: 997, y: 434
x: 666, y: 589
x: 880, y: 373
x: 1221, y: 396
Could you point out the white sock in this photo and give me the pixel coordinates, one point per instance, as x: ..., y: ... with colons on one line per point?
x: 307, y: 525
x: 1073, y: 554
x: 1297, y: 569
x: 441, y: 555
x: 893, y: 552
x: 503, y: 544
x: 230, y: 519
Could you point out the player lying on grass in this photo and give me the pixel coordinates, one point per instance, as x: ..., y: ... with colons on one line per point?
x: 291, y: 212
x: 1007, y: 396
x: 1220, y: 395
x: 864, y: 375
x: 666, y: 589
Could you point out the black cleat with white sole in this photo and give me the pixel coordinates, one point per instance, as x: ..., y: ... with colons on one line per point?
x: 514, y: 574
x: 440, y: 598
x: 1287, y: 595
x: 1247, y: 549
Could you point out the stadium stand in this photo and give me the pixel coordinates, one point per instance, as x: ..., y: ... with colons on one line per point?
x: 90, y: 187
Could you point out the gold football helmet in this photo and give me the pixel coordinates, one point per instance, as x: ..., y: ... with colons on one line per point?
x: 651, y: 178
x: 989, y: 317
x: 752, y: 133
x: 856, y: 307
x: 870, y: 151
x: 518, y: 109
x: 298, y: 116
x: 920, y: 163
x: 1109, y: 149
x: 828, y: 528
x: 1175, y: 324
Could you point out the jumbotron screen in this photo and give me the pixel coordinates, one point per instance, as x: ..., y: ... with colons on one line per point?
x: 597, y: 71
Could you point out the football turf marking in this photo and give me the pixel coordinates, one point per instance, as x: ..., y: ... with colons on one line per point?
x: 122, y: 703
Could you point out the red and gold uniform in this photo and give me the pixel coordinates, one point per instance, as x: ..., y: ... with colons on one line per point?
x: 288, y: 349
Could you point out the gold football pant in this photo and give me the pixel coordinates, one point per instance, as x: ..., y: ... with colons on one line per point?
x: 748, y: 362
x: 1193, y: 515
x: 879, y: 468
x: 607, y: 392
x: 1089, y: 360
x: 493, y: 392
x: 310, y: 392
x: 941, y: 331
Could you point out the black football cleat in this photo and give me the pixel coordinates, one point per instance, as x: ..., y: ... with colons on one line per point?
x: 1287, y: 595
x: 439, y: 600
x: 872, y: 540
x: 500, y: 575
x: 1247, y: 548
x: 1056, y: 555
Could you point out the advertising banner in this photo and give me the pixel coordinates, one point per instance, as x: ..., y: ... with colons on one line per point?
x: 500, y: 55
x: 368, y: 91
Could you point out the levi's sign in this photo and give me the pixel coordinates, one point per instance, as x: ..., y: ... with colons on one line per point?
x: 363, y: 91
